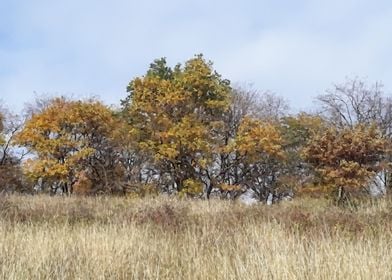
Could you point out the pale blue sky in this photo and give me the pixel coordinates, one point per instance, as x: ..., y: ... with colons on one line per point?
x: 296, y: 49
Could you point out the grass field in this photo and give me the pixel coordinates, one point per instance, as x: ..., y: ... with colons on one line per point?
x: 160, y: 238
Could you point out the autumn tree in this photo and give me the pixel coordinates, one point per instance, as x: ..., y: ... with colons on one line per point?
x: 175, y: 114
x: 254, y: 157
x: 297, y: 131
x: 358, y: 102
x: 131, y: 158
x: 220, y: 174
x: 71, y: 141
x: 346, y: 158
x: 244, y: 102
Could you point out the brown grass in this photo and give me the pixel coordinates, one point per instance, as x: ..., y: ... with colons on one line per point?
x: 164, y: 238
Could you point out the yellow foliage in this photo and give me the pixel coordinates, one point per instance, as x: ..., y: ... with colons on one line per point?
x: 257, y: 139
x: 63, y: 135
x: 227, y: 187
x: 191, y: 187
x: 174, y: 111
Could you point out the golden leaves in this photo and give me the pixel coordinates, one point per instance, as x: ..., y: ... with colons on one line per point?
x: 191, y: 187
x: 256, y: 139
x: 228, y: 187
x: 172, y: 111
x: 63, y: 135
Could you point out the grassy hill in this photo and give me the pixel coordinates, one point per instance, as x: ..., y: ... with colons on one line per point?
x: 44, y: 237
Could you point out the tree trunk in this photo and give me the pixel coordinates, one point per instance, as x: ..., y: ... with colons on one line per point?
x: 209, y: 190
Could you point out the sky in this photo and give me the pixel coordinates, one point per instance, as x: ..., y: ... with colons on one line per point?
x: 296, y: 49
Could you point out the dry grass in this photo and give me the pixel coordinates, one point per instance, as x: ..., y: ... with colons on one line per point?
x: 118, y: 238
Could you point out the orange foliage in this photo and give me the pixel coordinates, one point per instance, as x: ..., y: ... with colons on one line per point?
x: 347, y: 157
x: 63, y: 136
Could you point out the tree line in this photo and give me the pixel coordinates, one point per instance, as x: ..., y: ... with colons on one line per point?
x: 186, y: 130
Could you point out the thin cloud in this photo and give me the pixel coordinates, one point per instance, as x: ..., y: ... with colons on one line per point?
x: 295, y: 49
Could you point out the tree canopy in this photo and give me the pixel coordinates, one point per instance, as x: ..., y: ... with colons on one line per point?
x: 187, y: 130
x: 173, y: 113
x: 66, y: 138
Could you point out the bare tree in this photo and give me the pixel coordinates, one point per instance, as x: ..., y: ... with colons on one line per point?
x: 10, y: 156
x: 40, y: 103
x: 356, y: 102
x: 270, y: 106
x: 264, y: 105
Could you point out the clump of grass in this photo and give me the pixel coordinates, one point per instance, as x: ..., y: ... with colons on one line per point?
x: 165, y: 216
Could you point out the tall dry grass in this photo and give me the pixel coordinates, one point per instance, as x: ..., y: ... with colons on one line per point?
x: 117, y: 238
